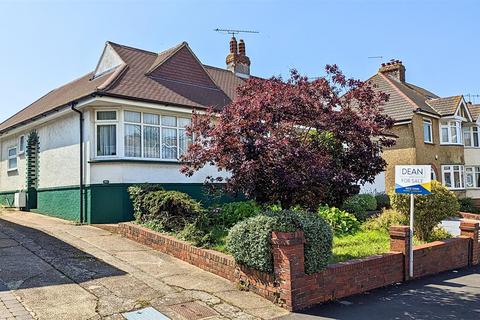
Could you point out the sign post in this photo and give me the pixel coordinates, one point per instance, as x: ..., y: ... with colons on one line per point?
x: 413, y: 179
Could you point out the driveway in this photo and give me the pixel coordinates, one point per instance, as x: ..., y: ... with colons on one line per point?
x: 53, y: 269
x: 450, y: 295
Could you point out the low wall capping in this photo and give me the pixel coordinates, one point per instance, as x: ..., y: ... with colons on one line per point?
x: 289, y: 285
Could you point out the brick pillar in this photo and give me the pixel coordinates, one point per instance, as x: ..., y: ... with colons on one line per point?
x: 400, y: 242
x: 469, y: 228
x: 288, y: 264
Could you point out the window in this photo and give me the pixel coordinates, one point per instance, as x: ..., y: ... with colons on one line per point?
x: 450, y: 132
x: 427, y: 131
x: 133, y: 134
x: 106, y: 133
x: 453, y: 176
x: 470, y: 136
x: 155, y: 136
x: 472, y: 177
x: 21, y: 144
x: 12, y: 158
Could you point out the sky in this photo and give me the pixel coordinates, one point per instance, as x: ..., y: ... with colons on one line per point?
x: 44, y: 44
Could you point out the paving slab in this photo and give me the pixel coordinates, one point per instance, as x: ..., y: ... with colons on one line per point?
x: 59, y: 270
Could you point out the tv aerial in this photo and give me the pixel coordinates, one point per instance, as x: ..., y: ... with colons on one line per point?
x: 233, y: 32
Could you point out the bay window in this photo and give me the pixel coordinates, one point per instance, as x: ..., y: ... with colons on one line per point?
x: 106, y: 133
x: 145, y: 135
x: 470, y: 136
x: 450, y: 132
x: 472, y: 177
x: 453, y: 176
x: 427, y: 131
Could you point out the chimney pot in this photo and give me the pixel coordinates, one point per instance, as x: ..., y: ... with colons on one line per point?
x: 393, y: 69
x: 241, y: 47
x: 236, y: 60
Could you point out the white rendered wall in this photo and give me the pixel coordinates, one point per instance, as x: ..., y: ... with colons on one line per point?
x: 139, y: 172
x: 59, y: 155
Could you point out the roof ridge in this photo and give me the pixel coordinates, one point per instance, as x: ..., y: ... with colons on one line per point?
x: 169, y: 53
x: 400, y: 92
x: 131, y: 48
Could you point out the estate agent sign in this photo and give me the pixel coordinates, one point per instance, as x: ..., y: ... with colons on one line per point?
x: 413, y: 179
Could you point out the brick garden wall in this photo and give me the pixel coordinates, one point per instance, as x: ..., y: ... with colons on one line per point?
x: 289, y: 285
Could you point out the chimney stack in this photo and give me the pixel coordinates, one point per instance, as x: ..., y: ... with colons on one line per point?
x: 237, y: 61
x: 394, y: 69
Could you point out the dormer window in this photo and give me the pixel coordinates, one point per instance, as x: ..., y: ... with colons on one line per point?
x: 451, y: 132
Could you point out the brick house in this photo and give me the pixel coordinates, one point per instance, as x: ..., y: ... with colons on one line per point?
x: 431, y: 130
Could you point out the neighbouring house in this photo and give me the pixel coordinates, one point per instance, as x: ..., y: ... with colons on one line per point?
x: 76, y: 150
x: 431, y: 130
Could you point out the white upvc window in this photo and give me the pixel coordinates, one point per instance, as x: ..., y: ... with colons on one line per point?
x: 12, y: 158
x: 453, y: 176
x: 427, y: 131
x: 472, y: 176
x: 155, y: 136
x: 450, y: 132
x: 106, y: 133
x: 470, y: 136
x: 21, y: 144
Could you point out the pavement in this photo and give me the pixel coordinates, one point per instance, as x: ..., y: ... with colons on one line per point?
x: 53, y: 269
x: 449, y: 295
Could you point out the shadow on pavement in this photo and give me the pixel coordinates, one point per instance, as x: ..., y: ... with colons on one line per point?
x: 449, y: 295
x: 31, y: 258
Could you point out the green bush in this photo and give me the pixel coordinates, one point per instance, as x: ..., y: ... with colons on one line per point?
x: 171, y: 210
x: 359, y: 204
x: 341, y: 221
x: 137, y: 195
x: 230, y: 214
x: 249, y: 241
x: 383, y: 201
x: 383, y: 221
x: 430, y: 210
x: 439, y: 233
x: 466, y: 205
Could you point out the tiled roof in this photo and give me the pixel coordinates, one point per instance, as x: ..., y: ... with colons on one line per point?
x: 445, y: 106
x: 406, y: 98
x: 174, y: 76
x: 474, y: 110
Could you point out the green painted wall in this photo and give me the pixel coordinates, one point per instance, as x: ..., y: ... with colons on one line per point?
x: 103, y: 203
x: 7, y: 198
x: 59, y: 202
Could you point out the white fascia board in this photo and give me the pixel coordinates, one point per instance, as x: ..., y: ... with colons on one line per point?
x: 147, y: 105
x: 399, y: 123
x: 49, y: 117
x: 428, y: 114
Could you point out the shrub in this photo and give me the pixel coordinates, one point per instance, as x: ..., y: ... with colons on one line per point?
x: 384, y: 220
x: 430, y: 210
x: 466, y: 205
x: 249, y: 240
x: 341, y: 221
x: 137, y: 195
x: 231, y: 213
x: 383, y: 201
x: 359, y: 204
x: 172, y: 210
x: 439, y: 233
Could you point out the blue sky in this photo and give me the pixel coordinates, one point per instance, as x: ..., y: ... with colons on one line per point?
x: 44, y: 44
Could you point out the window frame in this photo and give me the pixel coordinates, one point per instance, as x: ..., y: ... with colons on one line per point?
x: 450, y: 123
x: 428, y: 121
x: 475, y: 172
x: 106, y: 122
x: 471, y: 133
x: 21, y: 146
x: 9, y: 157
x: 451, y: 170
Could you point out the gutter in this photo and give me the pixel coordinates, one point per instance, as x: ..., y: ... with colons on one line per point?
x: 82, y: 184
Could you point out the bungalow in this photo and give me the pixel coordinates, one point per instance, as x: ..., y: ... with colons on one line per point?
x: 75, y: 151
x: 431, y: 130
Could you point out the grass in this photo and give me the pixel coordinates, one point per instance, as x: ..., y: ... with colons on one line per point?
x: 361, y: 244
